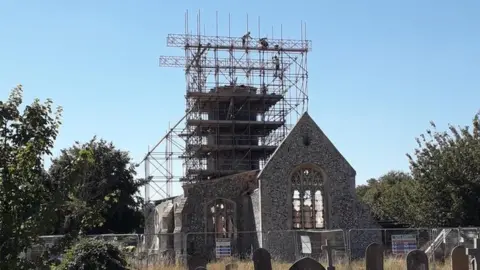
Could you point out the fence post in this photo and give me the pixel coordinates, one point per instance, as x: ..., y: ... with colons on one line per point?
x: 349, y: 245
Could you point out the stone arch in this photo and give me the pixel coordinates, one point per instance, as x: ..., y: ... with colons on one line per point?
x: 221, y: 217
x: 308, y: 198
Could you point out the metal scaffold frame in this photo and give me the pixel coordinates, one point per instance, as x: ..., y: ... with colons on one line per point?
x: 255, y: 87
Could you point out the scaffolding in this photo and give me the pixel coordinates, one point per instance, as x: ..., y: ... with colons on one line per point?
x: 242, y: 96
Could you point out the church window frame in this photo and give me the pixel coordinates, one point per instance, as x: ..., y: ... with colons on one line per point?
x: 309, y: 200
x: 225, y: 211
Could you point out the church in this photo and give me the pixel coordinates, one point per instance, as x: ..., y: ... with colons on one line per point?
x: 303, y: 195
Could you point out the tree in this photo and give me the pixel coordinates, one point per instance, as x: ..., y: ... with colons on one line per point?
x: 108, y: 186
x: 447, y: 168
x: 90, y: 253
x: 26, y: 205
x: 391, y: 197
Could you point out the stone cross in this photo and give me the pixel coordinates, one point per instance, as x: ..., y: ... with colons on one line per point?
x: 474, y: 253
x: 306, y: 263
x: 328, y: 248
x: 417, y: 260
x: 374, y: 257
x: 262, y: 259
x: 459, y: 258
x: 231, y: 266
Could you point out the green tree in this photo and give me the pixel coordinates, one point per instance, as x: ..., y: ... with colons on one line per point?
x: 108, y: 186
x: 391, y: 197
x: 26, y: 205
x: 91, y: 253
x: 447, y: 168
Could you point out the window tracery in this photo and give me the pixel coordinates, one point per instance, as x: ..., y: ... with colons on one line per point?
x: 308, y: 209
x: 221, y: 218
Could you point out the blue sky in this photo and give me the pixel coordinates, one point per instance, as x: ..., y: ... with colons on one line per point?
x: 379, y: 70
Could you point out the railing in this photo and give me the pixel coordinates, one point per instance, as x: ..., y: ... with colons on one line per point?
x: 431, y: 247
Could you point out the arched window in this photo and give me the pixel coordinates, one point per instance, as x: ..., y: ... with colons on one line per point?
x: 221, y: 218
x: 308, y: 209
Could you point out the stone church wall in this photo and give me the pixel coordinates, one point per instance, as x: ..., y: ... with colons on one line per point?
x: 364, y: 231
x: 234, y: 188
x: 307, y: 145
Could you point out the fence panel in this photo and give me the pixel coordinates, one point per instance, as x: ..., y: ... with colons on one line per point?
x: 45, y: 242
x: 219, y: 248
x: 396, y: 242
x: 289, y: 246
x: 158, y: 250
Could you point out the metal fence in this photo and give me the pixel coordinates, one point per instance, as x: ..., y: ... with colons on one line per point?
x: 157, y: 250
x: 437, y: 243
x: 289, y: 246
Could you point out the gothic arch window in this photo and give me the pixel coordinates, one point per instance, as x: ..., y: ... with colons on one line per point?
x: 221, y: 218
x: 308, y: 199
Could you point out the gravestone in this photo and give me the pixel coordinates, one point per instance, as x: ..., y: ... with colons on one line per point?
x: 474, y: 253
x: 307, y: 263
x: 196, y: 261
x: 374, y: 257
x: 231, y: 266
x: 417, y: 260
x: 459, y: 258
x: 328, y: 249
x: 262, y: 259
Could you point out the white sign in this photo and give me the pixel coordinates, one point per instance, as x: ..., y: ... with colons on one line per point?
x: 223, y: 247
x: 403, y: 243
x: 306, y: 244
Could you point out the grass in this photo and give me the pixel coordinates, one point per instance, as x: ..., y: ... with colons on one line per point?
x: 389, y: 264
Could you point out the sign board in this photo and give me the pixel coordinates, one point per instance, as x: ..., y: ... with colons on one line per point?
x: 403, y: 243
x: 306, y: 244
x: 223, y: 247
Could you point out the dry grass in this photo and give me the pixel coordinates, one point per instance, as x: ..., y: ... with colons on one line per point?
x: 390, y: 264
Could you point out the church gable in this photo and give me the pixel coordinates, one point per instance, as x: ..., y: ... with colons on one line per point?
x: 307, y: 169
x: 306, y: 143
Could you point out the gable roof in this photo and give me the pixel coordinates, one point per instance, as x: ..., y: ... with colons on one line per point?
x: 305, y: 119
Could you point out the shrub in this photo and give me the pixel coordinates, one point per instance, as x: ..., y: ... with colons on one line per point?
x: 91, y: 253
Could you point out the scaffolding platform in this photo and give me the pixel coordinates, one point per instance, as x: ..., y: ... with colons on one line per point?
x: 214, y: 125
x: 201, y: 150
x: 236, y: 43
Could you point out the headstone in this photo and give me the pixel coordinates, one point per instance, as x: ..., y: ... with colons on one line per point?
x: 306, y: 263
x: 417, y: 260
x: 374, y: 257
x: 328, y: 248
x: 196, y: 261
x: 459, y: 258
x: 231, y: 266
x: 262, y: 259
x: 474, y: 253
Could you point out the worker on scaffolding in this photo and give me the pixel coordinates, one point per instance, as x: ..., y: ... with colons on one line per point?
x: 264, y: 89
x: 245, y: 38
x: 276, y: 61
x: 264, y: 42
